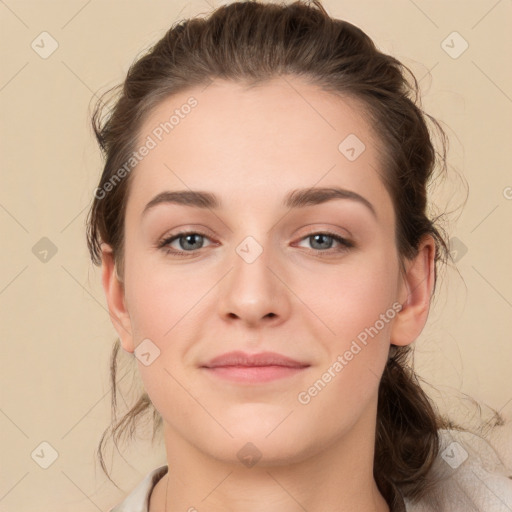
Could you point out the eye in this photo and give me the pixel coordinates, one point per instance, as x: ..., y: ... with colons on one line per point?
x: 189, y: 240
x: 322, y: 243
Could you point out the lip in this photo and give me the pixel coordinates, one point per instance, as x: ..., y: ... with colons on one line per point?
x: 253, y: 368
x: 238, y: 358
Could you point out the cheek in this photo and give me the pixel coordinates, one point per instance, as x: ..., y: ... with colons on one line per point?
x: 356, y: 303
x: 357, y: 306
x: 158, y: 298
x: 351, y: 298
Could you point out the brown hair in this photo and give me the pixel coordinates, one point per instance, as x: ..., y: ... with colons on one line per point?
x: 253, y: 42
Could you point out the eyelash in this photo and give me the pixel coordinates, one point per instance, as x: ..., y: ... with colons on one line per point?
x: 346, y: 244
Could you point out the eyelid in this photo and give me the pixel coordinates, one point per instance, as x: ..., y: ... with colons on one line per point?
x: 344, y: 243
x: 185, y: 230
x: 167, y: 239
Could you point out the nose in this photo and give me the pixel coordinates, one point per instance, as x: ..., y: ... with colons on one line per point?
x: 254, y: 293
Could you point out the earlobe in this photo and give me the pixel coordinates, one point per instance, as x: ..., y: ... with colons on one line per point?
x: 415, y: 293
x: 114, y: 293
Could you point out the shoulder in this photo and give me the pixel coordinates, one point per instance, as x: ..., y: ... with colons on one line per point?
x: 138, y: 499
x: 468, y: 475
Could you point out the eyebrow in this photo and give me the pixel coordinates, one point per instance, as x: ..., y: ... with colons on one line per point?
x: 298, y: 198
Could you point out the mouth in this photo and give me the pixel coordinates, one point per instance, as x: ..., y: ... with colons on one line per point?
x: 253, y: 368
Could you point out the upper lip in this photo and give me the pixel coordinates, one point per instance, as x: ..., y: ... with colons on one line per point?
x: 238, y: 358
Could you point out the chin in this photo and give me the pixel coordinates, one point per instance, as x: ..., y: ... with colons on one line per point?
x: 263, y: 441
x: 259, y: 451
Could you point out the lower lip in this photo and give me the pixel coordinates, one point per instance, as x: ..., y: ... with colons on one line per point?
x: 254, y: 374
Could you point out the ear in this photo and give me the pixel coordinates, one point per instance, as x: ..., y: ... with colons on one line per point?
x: 414, y: 294
x: 114, y: 292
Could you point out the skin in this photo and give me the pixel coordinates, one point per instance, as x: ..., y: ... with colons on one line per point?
x: 251, y: 147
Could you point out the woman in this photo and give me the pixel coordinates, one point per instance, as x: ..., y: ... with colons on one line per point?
x: 267, y: 258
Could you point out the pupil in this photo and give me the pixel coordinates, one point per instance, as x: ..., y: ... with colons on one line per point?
x: 191, y: 237
x: 321, y: 237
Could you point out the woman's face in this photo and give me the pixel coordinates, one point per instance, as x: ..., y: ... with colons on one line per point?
x: 261, y: 274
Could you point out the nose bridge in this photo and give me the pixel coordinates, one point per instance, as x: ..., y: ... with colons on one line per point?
x: 252, y: 291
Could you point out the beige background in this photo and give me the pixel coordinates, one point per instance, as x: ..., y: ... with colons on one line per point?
x: 56, y: 334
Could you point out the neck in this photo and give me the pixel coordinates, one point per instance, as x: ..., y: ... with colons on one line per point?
x: 338, y: 478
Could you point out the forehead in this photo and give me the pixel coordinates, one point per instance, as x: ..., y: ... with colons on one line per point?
x: 258, y: 143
